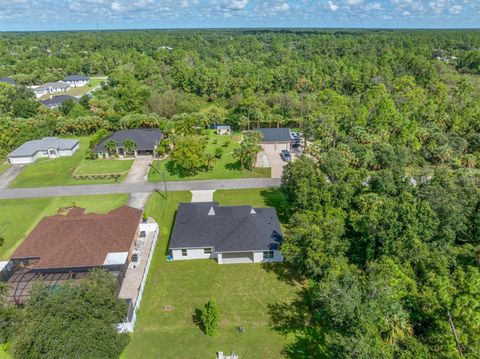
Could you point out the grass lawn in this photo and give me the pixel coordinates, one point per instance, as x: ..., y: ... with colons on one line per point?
x: 19, y: 216
x: 103, y: 166
x: 78, y: 91
x: 4, y: 165
x: 224, y: 168
x: 58, y: 172
x: 245, y: 294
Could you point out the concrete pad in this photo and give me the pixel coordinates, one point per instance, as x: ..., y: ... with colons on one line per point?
x: 276, y: 163
x: 9, y: 175
x: 139, y: 171
x: 138, y: 200
x: 202, y: 196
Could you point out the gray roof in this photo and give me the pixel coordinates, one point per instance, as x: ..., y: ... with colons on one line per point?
x: 146, y: 139
x: 56, y: 101
x: 31, y: 147
x: 275, y: 134
x: 227, y: 228
x: 223, y: 127
x: 7, y: 80
x: 77, y: 78
x: 55, y: 85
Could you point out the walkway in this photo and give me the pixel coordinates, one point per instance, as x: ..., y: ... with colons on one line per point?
x: 9, y: 175
x: 138, y: 187
x: 202, y: 196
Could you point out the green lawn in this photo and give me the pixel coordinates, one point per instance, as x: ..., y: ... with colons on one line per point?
x: 103, y: 166
x: 19, y: 216
x: 224, y: 168
x: 245, y: 294
x: 4, y: 165
x: 59, y: 171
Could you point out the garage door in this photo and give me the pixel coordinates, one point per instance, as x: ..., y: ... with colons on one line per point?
x: 243, y: 257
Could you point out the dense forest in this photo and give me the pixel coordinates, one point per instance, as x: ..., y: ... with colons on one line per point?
x: 384, y: 207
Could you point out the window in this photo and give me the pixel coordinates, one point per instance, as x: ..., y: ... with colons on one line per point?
x: 268, y: 255
x: 184, y: 252
x: 207, y: 251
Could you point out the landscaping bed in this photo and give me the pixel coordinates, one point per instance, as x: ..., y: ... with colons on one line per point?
x: 102, y: 169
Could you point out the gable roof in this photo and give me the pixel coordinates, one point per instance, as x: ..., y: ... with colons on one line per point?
x: 31, y: 147
x: 79, y: 240
x: 275, y: 134
x: 55, y: 85
x: 56, y: 101
x: 223, y: 127
x: 77, y: 78
x: 7, y: 80
x: 146, y: 139
x: 227, y: 228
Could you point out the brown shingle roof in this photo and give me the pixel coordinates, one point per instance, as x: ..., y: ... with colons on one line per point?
x: 80, y: 240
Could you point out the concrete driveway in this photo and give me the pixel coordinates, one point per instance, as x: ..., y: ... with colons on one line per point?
x: 139, y: 171
x: 9, y: 175
x: 276, y: 163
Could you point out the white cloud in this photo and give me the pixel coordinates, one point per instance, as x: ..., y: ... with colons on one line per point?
x: 332, y: 6
x: 234, y: 4
x: 117, y: 6
x: 353, y: 2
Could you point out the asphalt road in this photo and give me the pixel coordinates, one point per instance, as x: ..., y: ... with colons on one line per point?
x: 145, y: 187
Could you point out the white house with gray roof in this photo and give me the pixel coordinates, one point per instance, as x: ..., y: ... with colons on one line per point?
x: 47, y: 147
x: 77, y: 80
x: 229, y: 234
x: 50, y: 87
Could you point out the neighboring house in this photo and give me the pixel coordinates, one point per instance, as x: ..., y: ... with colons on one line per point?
x: 51, y: 147
x: 224, y: 130
x: 50, y: 87
x: 275, y: 139
x: 229, y: 234
x: 65, y: 247
x: 56, y: 101
x: 77, y: 80
x: 7, y: 80
x: 146, y: 141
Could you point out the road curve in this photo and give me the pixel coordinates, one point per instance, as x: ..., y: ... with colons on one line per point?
x: 61, y: 191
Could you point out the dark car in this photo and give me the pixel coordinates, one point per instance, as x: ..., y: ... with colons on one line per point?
x: 286, y: 156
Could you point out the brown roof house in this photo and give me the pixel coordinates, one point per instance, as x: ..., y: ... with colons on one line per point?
x: 66, y: 247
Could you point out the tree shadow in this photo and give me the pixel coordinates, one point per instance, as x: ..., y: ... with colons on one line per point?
x: 197, y: 319
x: 175, y: 170
x: 283, y: 272
x: 294, y: 319
x: 234, y: 166
x: 273, y: 197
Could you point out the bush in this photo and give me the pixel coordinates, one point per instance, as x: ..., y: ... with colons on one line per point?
x: 226, y: 144
x: 218, y: 153
x: 214, y: 142
x: 209, y: 318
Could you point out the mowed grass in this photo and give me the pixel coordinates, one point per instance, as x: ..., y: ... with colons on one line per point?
x: 19, y: 216
x: 226, y: 167
x: 59, y: 171
x: 244, y: 294
x: 103, y: 166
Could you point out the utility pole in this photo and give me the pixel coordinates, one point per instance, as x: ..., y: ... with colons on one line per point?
x: 455, y: 335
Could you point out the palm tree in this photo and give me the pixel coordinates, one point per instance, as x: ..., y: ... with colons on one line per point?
x: 111, y: 147
x: 129, y: 146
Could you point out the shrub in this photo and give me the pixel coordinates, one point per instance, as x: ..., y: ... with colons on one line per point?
x: 218, y: 152
x: 209, y: 318
x: 226, y: 144
x: 214, y: 142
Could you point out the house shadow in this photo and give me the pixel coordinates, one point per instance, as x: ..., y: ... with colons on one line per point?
x: 273, y: 197
x: 294, y: 319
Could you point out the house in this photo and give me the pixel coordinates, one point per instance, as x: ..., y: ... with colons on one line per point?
x: 77, y: 80
x: 66, y: 246
x: 8, y: 80
x: 146, y: 141
x: 56, y: 101
x: 50, y: 87
x: 224, y: 130
x: 229, y: 234
x: 275, y: 139
x: 51, y: 147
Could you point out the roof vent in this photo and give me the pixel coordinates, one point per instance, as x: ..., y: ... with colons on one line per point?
x: 253, y: 211
x: 211, y: 212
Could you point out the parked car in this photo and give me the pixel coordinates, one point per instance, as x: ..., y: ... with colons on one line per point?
x: 286, y: 156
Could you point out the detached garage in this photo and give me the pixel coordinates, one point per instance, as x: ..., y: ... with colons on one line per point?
x: 275, y: 139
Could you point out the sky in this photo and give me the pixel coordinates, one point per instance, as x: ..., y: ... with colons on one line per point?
x: 32, y: 15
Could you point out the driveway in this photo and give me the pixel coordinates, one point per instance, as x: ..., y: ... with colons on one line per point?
x: 139, y: 171
x: 9, y: 175
x: 276, y: 163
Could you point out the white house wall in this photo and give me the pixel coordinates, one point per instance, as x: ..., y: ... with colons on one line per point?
x: 195, y: 253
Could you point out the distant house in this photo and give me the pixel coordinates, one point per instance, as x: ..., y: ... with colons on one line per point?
x: 51, y: 87
x: 229, y: 234
x: 56, y: 101
x: 77, y: 80
x: 65, y: 247
x: 146, y: 141
x: 8, y: 80
x: 224, y: 130
x: 275, y: 139
x: 51, y: 147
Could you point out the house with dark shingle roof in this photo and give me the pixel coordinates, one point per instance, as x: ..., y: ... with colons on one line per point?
x: 275, y: 139
x: 8, y: 80
x: 77, y: 80
x: 229, y: 234
x: 146, y: 141
x: 66, y: 246
x: 57, y: 101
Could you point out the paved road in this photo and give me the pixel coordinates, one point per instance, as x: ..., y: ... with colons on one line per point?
x: 138, y: 187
